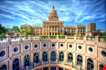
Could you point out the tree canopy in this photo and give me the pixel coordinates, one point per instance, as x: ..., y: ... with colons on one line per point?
x: 3, y: 30
x: 26, y: 30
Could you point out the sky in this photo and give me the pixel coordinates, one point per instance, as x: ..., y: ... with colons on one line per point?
x: 34, y: 12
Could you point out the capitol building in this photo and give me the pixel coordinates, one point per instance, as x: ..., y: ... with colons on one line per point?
x: 81, y: 48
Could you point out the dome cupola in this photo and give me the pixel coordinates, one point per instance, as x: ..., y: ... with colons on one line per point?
x: 53, y: 15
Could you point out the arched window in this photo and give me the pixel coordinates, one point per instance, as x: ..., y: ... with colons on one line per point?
x: 36, y: 58
x: 61, y: 56
x: 79, y: 60
x: 53, y: 56
x: 70, y: 57
x: 90, y: 64
x: 53, y: 68
x: 3, y: 67
x: 16, y: 64
x: 60, y: 68
x: 101, y: 67
x: 45, y: 68
x: 45, y: 56
x: 26, y: 60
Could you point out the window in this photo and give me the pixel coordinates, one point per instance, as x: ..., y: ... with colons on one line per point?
x: 70, y: 46
x: 45, y: 68
x: 61, y: 45
x: 60, y: 68
x: 36, y: 58
x: 35, y: 45
x: 16, y: 64
x: 53, y: 56
x: 103, y: 53
x: 101, y: 67
x: 53, y: 68
x: 70, y: 57
x: 61, y: 56
x: 90, y: 64
x: 3, y: 67
x: 79, y: 47
x: 45, y: 56
x: 53, y: 45
x: 90, y: 49
x: 44, y: 45
x: 26, y: 47
x: 26, y: 60
x: 79, y: 60
x: 15, y: 49
x: 2, y: 53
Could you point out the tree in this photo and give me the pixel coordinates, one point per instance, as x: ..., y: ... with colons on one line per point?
x: 26, y: 30
x: 3, y: 30
x: 15, y: 29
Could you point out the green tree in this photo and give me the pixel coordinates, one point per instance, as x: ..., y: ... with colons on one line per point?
x: 15, y: 29
x: 26, y: 30
x: 3, y: 30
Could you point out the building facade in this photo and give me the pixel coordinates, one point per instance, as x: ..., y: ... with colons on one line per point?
x: 53, y: 26
x: 70, y: 53
x: 76, y: 51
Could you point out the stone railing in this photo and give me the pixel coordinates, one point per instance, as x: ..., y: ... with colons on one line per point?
x: 88, y: 38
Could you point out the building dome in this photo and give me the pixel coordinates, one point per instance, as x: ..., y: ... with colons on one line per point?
x: 53, y: 15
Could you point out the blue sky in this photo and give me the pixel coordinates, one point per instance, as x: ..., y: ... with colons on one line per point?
x: 34, y: 12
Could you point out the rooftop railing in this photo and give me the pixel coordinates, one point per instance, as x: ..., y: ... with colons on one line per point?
x: 88, y: 38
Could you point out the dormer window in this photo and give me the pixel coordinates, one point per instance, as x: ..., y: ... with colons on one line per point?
x: 70, y: 46
x: 53, y: 45
x: 61, y: 45
x: 90, y: 49
x: 44, y: 45
x: 103, y: 53
x: 26, y: 47
x: 2, y: 53
x: 35, y: 45
x: 80, y: 47
x: 15, y: 49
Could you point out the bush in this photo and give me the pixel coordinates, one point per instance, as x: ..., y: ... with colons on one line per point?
x: 61, y: 36
x: 53, y: 36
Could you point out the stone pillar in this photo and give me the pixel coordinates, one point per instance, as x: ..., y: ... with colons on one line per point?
x: 85, y: 38
x: 97, y: 38
x: 65, y: 57
x: 8, y: 39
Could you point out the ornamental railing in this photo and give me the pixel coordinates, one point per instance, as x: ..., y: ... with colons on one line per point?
x: 88, y: 38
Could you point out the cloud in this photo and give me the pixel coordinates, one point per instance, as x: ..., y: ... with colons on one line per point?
x: 36, y: 11
x: 7, y: 16
x: 87, y: 18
